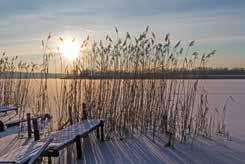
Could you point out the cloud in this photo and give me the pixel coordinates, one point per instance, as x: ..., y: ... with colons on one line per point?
x: 26, y: 22
x: 116, y: 7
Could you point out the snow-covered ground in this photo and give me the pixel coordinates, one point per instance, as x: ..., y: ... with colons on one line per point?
x: 219, y: 150
x: 218, y: 92
x: 143, y: 150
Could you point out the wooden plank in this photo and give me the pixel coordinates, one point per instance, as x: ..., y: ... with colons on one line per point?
x: 17, y: 122
x: 5, y: 109
x: 98, y: 133
x: 79, y: 147
x: 16, y: 150
x: 9, y: 116
x: 68, y: 135
x: 40, y: 152
x: 29, y: 130
x: 102, y: 131
x: 36, y: 130
x: 12, y: 130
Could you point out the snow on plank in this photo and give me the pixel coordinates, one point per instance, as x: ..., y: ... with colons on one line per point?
x: 17, y: 122
x: 9, y: 116
x: 5, y: 109
x: 68, y: 135
x: 16, y: 150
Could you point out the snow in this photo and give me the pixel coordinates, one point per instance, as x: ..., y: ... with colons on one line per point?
x: 219, y: 150
x: 143, y: 150
x: 17, y: 150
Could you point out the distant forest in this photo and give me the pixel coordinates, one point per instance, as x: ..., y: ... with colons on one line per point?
x: 207, y: 73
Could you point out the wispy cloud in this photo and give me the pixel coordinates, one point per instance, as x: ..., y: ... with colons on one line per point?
x: 212, y: 23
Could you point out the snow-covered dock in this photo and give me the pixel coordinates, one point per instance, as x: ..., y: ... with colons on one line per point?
x: 144, y: 150
x: 14, y: 120
x: 12, y: 123
x: 74, y: 133
x: 21, y: 150
x: 5, y: 109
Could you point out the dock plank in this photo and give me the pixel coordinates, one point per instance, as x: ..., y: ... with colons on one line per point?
x: 17, y: 150
x: 69, y: 134
x: 4, y: 109
x: 16, y: 122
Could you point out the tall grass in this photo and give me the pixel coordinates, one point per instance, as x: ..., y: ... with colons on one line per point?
x: 163, y: 107
x: 137, y: 106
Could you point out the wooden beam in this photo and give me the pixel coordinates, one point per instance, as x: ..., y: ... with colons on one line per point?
x: 17, y: 122
x: 36, y: 130
x: 98, y: 133
x: 35, y: 157
x: 79, y: 148
x: 49, y: 160
x: 70, y: 114
x: 1, y: 126
x: 5, y: 109
x: 28, y: 117
x: 102, y: 130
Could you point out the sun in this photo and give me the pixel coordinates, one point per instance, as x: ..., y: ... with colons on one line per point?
x: 70, y: 50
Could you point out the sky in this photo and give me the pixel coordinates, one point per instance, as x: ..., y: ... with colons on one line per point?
x: 214, y: 24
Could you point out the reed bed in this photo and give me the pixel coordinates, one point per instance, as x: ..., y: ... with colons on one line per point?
x: 173, y: 108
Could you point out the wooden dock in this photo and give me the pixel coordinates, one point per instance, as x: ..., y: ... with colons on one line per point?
x: 5, y: 109
x: 16, y: 150
x: 16, y: 121
x: 74, y: 133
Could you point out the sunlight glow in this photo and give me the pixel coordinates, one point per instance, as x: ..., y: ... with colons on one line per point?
x: 70, y: 50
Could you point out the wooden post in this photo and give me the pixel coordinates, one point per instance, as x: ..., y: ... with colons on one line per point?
x: 70, y: 114
x: 85, y: 112
x: 79, y: 148
x: 28, y: 116
x: 102, y: 131
x: 98, y: 133
x: 170, y: 140
x: 1, y: 126
x: 49, y: 160
x: 35, y: 128
x: 165, y: 123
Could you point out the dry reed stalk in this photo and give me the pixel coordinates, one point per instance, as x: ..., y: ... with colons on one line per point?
x: 140, y: 106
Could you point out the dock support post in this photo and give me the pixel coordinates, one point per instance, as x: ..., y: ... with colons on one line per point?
x: 35, y: 128
x: 49, y: 160
x: 79, y: 148
x: 85, y: 112
x: 102, y: 131
x: 98, y: 133
x: 28, y: 117
x: 70, y: 114
x: 1, y: 126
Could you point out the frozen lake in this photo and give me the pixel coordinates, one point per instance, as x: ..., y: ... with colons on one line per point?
x: 219, y: 91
